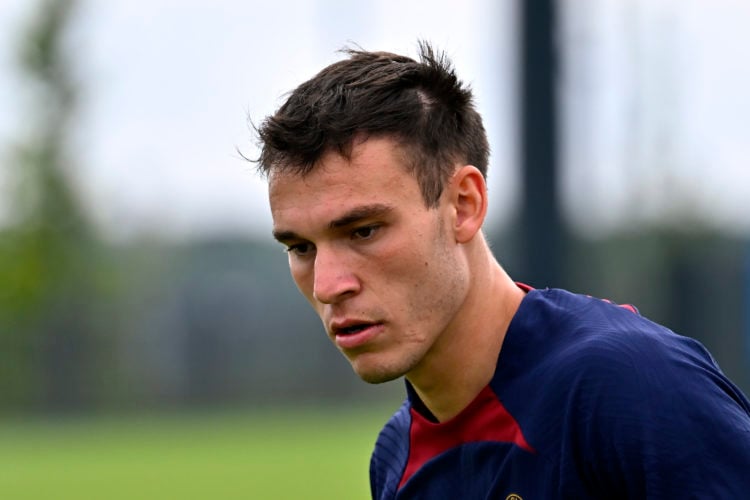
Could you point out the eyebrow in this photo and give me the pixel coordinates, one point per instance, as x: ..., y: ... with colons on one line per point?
x: 353, y: 216
x: 358, y: 214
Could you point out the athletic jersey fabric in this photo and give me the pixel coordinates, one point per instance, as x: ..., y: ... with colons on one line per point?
x: 588, y: 400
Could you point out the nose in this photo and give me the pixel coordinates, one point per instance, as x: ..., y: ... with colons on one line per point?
x: 334, y: 279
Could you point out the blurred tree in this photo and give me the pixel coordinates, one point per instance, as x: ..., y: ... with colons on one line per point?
x: 48, y: 253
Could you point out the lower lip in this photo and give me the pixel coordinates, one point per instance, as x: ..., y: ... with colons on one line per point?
x: 354, y: 340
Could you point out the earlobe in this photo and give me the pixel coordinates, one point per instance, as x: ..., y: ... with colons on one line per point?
x: 470, y: 199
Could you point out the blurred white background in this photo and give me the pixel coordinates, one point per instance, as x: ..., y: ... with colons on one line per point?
x: 654, y: 103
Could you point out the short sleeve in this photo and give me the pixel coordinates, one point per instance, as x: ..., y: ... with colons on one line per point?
x: 658, y: 419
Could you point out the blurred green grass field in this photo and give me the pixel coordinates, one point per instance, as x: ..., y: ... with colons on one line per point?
x: 290, y: 454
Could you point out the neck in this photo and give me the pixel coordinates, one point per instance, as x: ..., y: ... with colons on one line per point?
x: 463, y: 361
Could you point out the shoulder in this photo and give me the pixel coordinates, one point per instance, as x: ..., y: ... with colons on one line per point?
x: 390, y: 454
x: 569, y: 329
x: 609, y: 350
x: 650, y: 409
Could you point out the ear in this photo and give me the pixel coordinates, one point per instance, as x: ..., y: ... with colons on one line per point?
x: 469, y: 197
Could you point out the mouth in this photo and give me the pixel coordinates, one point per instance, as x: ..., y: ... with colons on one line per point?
x: 351, y: 335
x: 353, y: 329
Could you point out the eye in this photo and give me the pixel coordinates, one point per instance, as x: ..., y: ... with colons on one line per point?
x: 300, y: 249
x: 365, y: 232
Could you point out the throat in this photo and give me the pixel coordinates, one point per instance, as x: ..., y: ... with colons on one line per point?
x: 449, y: 401
x: 450, y: 381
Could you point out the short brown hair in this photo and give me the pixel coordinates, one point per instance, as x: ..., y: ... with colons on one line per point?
x: 420, y: 104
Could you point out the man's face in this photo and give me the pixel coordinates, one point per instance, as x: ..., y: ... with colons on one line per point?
x: 381, y: 269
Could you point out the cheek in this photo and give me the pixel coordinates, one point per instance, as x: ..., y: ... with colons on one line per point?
x: 406, y: 271
x: 303, y: 277
x: 436, y: 281
x: 398, y: 261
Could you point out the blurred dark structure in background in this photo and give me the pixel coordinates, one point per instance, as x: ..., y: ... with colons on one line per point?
x: 91, y: 326
x: 542, y: 235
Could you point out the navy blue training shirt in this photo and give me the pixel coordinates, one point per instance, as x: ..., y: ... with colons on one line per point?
x: 588, y: 400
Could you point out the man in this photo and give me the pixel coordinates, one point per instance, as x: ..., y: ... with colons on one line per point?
x: 376, y: 170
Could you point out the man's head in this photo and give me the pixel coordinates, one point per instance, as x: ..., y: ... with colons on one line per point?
x: 390, y: 261
x: 420, y: 104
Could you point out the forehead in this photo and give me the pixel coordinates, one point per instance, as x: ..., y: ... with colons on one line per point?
x: 372, y: 167
x: 376, y: 155
x: 374, y: 172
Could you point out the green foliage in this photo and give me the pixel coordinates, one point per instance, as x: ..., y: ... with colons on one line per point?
x: 48, y: 259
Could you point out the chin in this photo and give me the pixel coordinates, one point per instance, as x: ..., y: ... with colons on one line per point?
x: 374, y: 372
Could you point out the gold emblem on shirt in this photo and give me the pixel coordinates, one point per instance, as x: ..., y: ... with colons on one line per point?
x: 513, y: 496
